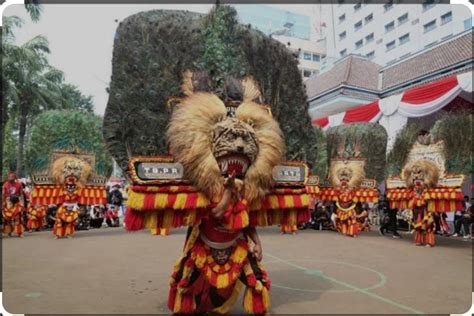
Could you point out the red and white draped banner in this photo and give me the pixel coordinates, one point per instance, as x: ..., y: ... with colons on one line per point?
x: 393, y: 112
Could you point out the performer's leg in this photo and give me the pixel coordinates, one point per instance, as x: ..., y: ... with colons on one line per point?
x: 19, y: 227
x: 58, y: 229
x: 7, y: 227
x: 256, y: 295
x: 354, y: 229
x: 69, y: 230
x: 342, y: 227
x: 430, y: 238
x: 418, y: 237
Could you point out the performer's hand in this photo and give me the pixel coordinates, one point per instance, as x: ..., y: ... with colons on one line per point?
x: 229, y: 182
x: 257, y: 252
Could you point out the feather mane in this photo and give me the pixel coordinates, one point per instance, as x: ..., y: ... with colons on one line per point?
x: 189, y: 139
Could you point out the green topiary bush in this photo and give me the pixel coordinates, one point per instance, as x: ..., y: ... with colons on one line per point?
x: 151, y: 51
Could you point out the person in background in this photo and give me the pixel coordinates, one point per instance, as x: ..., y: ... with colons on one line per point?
x: 374, y: 214
x: 115, y: 197
x: 320, y: 217
x: 391, y: 223
x: 458, y: 215
x: 465, y: 220
x: 123, y: 190
x: 362, y: 217
x: 13, y: 206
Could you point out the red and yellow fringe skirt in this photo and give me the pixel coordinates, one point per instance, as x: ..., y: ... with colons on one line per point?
x: 35, y: 223
x: 424, y: 226
x: 200, y: 285
x: 346, y: 223
x: 12, y: 222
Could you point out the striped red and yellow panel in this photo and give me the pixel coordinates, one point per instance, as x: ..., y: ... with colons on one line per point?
x: 313, y: 190
x: 280, y: 202
x: 136, y: 220
x: 437, y: 199
x: 174, y: 206
x: 430, y: 194
x: 361, y: 195
x: 92, y: 195
x: 183, y: 197
x: 55, y: 194
x: 153, y: 198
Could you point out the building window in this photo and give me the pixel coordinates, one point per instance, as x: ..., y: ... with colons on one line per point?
x: 390, y: 45
x: 359, y: 44
x: 388, y: 6
x: 429, y: 26
x: 316, y: 57
x: 342, y: 18
x: 403, y: 19
x: 428, y: 4
x: 370, y: 55
x: 306, y: 56
x: 369, y: 38
x: 446, y: 18
x: 343, y: 52
x: 342, y: 35
x: 369, y: 18
x: 404, y: 39
x: 357, y: 7
x: 358, y: 25
x: 389, y: 27
x: 467, y: 24
x: 306, y: 73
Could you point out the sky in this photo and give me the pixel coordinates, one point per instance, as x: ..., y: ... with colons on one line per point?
x: 81, y: 39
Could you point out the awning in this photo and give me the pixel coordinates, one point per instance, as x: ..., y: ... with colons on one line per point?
x: 393, y: 112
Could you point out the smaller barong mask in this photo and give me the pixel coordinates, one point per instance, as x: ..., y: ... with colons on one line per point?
x: 346, y: 169
x: 71, y: 172
x: 421, y: 174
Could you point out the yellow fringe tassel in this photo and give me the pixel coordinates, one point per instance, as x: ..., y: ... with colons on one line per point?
x: 248, y: 301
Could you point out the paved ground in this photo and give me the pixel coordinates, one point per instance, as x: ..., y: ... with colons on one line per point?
x: 111, y: 271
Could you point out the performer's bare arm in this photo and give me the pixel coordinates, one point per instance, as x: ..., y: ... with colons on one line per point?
x: 221, y: 207
x: 22, y: 197
x: 257, y: 249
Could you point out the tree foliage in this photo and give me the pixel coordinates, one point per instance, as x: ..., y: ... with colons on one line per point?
x: 66, y: 130
x: 403, y: 143
x: 30, y: 85
x: 320, y: 168
x: 373, y: 144
x: 456, y: 130
x: 222, y: 56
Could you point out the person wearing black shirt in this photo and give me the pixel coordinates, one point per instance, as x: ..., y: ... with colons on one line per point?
x: 115, y: 196
x: 391, y: 223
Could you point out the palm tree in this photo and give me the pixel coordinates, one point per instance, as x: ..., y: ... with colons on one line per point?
x: 28, y: 89
x: 34, y: 9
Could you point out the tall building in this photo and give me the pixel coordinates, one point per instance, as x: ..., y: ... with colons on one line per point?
x: 310, y: 54
x: 275, y: 21
x: 388, y: 33
x: 291, y: 29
